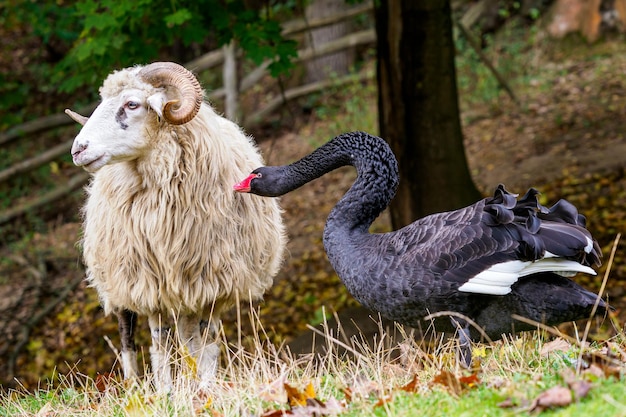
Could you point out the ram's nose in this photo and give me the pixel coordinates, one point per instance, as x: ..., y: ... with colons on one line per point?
x: 77, y: 149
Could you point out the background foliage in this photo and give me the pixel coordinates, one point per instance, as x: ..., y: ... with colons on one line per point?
x: 80, y: 41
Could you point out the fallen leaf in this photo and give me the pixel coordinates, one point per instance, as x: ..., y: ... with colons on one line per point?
x: 103, y: 381
x: 191, y: 364
x: 310, y: 390
x: 557, y: 345
x: 311, y: 408
x: 558, y: 396
x: 580, y: 386
x: 295, y: 397
x: 479, y: 352
x: 411, y: 386
x: 594, y: 371
x: 469, y: 381
x: 317, y: 408
x: 606, y: 362
x: 347, y: 392
x: 448, y: 380
x: 383, y: 400
x: 454, y: 384
x: 202, y: 402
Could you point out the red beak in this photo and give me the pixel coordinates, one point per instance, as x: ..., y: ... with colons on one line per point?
x: 244, y: 186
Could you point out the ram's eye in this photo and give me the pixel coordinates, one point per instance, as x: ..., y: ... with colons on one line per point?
x: 132, y: 105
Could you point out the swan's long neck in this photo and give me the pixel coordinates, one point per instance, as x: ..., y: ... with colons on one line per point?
x: 375, y: 186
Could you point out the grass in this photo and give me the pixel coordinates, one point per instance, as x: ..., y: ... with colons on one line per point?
x: 371, y: 379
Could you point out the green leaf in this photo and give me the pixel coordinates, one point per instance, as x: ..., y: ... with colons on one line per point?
x: 100, y: 21
x: 178, y: 18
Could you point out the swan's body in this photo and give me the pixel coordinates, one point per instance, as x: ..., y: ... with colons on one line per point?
x: 487, y: 261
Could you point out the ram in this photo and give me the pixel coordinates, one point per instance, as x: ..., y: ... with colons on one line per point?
x: 164, y: 235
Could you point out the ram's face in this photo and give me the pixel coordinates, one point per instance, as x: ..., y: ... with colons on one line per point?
x: 116, y: 131
x: 122, y: 126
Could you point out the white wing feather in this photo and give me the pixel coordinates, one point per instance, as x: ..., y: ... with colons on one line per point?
x: 498, y: 279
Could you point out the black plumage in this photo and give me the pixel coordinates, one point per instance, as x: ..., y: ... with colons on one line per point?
x: 498, y: 257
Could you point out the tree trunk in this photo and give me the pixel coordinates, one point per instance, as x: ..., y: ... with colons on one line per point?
x: 418, y: 108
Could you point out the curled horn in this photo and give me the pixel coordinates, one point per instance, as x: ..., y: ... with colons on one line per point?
x: 161, y: 74
x: 78, y: 118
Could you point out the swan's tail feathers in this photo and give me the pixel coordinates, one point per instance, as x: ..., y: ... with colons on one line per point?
x: 564, y: 224
x: 571, y: 242
x: 555, y: 232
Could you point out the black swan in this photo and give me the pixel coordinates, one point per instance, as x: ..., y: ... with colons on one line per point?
x: 497, y: 257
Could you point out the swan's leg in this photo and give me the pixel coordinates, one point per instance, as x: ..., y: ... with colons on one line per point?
x: 196, y: 336
x: 160, y: 353
x: 464, y: 352
x: 127, y: 321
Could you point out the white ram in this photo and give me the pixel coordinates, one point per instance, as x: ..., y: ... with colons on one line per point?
x: 164, y: 234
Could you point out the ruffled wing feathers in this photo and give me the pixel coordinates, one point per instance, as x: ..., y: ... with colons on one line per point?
x: 548, y: 240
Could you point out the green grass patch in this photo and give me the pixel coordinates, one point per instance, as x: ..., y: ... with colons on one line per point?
x: 513, y: 377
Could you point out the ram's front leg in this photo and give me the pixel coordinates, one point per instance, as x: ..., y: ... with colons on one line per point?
x: 198, y: 337
x: 127, y: 322
x: 161, y: 353
x: 210, y: 352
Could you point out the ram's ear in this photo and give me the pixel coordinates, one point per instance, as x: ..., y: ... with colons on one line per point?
x: 157, y: 103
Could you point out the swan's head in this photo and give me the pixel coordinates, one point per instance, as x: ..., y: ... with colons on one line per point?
x: 265, y: 181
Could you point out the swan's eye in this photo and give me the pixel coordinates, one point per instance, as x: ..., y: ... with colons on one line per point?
x: 259, y: 175
x: 132, y: 105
